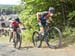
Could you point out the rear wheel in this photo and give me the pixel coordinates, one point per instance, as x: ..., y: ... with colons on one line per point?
x: 54, y: 37
x: 36, y: 39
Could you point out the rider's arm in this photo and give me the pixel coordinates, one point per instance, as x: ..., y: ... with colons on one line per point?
x: 38, y: 16
x: 50, y: 20
x: 21, y: 24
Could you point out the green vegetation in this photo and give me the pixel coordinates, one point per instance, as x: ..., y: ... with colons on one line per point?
x: 64, y: 15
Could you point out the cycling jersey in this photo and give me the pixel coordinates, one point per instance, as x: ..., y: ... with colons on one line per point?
x: 15, y: 24
x: 43, y: 19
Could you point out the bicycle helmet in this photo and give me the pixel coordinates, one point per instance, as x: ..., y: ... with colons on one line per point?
x: 51, y: 9
x: 17, y: 19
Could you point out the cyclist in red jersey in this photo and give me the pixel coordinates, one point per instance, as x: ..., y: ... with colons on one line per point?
x: 14, y: 25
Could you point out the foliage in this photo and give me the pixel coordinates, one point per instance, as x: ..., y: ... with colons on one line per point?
x: 64, y: 14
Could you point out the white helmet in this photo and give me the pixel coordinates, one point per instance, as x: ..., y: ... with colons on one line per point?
x: 51, y: 9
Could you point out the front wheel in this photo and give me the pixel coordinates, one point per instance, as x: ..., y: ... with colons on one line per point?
x: 17, y: 41
x: 36, y: 39
x: 55, y: 37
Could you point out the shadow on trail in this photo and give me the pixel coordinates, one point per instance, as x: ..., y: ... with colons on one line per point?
x: 26, y: 47
x: 31, y: 47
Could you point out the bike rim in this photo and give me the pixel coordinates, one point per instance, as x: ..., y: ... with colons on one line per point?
x: 36, y: 40
x: 55, y: 38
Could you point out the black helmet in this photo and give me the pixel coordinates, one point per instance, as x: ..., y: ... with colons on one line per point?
x: 51, y: 9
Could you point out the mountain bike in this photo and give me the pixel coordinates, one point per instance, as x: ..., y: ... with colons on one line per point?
x: 52, y: 36
x: 17, y: 39
x: 16, y: 36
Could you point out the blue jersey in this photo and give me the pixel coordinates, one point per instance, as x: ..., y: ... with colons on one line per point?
x: 43, y: 19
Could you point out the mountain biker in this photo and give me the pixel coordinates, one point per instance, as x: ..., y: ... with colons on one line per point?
x: 42, y: 18
x: 14, y: 25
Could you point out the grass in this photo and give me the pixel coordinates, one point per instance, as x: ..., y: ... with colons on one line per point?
x: 68, y: 36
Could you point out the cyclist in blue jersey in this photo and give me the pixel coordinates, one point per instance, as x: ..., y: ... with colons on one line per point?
x: 42, y: 18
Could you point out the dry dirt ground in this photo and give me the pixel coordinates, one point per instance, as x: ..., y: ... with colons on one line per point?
x: 6, y: 49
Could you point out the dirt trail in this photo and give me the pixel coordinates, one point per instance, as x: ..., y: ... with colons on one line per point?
x: 6, y: 49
